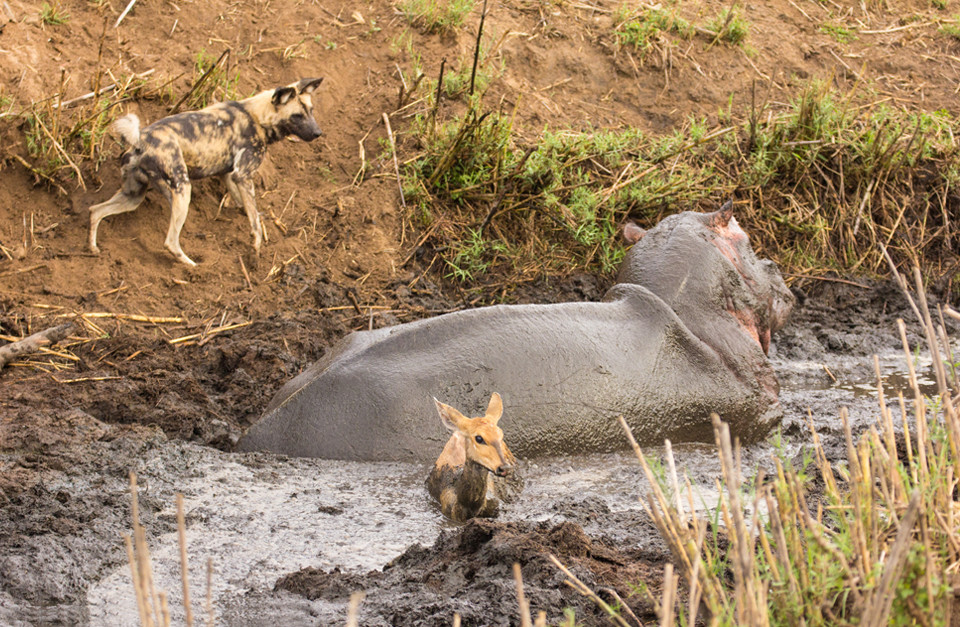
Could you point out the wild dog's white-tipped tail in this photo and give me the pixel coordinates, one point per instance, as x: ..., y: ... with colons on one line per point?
x: 128, y: 127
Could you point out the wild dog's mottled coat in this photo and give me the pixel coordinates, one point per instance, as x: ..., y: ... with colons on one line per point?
x: 227, y: 139
x: 462, y: 477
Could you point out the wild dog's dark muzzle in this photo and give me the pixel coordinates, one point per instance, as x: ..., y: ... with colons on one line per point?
x: 306, y: 128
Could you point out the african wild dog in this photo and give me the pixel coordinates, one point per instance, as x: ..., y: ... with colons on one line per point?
x: 227, y: 139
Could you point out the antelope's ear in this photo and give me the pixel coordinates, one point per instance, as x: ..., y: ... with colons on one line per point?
x: 450, y: 417
x: 633, y: 233
x: 495, y: 407
x: 282, y: 95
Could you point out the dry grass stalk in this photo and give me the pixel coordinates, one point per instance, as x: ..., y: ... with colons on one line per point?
x: 353, y: 610
x: 152, y: 603
x: 184, y: 571
x: 522, y: 602
x: 585, y: 590
x: 202, y: 337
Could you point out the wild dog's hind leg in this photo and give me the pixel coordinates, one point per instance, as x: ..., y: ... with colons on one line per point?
x: 232, y: 188
x: 127, y: 199
x: 179, y: 205
x: 248, y: 195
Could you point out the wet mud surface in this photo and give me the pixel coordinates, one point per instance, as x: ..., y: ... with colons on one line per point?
x: 291, y: 539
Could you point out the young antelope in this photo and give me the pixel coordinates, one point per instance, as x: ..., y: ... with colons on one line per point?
x: 463, y: 474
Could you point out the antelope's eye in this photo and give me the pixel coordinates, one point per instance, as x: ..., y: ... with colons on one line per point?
x: 478, y: 439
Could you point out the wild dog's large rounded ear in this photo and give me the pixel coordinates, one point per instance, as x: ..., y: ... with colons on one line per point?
x: 307, y: 85
x: 282, y: 95
x: 633, y: 233
x: 495, y: 408
x: 721, y: 218
x: 450, y: 417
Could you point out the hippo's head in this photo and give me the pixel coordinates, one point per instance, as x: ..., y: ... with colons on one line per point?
x: 703, y: 266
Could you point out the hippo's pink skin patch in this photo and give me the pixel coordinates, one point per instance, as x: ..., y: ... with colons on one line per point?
x: 729, y: 236
x: 748, y: 321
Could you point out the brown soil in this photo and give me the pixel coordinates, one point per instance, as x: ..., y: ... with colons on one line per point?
x: 465, y: 570
x: 339, y: 255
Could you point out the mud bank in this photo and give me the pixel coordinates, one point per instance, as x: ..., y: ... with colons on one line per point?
x: 290, y: 539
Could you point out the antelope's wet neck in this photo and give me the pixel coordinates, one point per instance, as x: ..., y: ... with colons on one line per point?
x: 471, y: 486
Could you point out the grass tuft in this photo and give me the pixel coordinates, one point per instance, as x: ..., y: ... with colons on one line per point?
x: 951, y: 27
x: 53, y: 14
x: 730, y: 26
x: 437, y: 16
x: 644, y: 30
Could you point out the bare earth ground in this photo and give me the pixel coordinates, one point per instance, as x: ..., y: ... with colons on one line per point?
x: 339, y: 256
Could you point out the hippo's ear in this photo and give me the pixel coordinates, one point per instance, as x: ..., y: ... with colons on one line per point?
x: 495, y: 408
x: 721, y: 218
x: 633, y: 233
x: 450, y: 417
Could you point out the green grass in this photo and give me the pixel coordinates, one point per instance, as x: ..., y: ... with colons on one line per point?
x: 952, y: 27
x: 821, y: 184
x: 53, y: 14
x: 64, y: 146
x: 437, y: 16
x: 221, y: 85
x: 730, y: 26
x: 839, y: 32
x: 642, y: 31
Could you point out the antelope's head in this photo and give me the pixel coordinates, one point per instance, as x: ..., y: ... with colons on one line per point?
x: 482, y: 438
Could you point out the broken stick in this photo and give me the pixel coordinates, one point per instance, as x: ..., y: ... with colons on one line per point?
x: 33, y: 343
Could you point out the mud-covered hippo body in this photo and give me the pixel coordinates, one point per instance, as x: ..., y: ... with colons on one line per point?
x: 663, y: 349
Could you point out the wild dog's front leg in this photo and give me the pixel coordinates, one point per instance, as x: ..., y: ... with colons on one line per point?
x: 249, y: 199
x: 179, y: 205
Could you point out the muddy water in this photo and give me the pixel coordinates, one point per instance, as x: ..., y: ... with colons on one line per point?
x: 259, y: 517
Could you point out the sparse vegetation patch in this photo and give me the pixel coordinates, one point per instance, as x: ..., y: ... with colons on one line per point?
x: 441, y: 16
x: 643, y: 30
x: 730, y: 26
x: 823, y: 183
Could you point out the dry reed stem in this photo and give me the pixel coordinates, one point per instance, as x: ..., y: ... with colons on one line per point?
x: 353, y: 610
x: 522, y: 602
x: 210, y: 614
x: 665, y: 609
x: 184, y: 571
x: 585, y: 590
x: 396, y: 164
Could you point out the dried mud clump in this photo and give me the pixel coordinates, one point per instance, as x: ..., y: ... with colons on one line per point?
x: 469, y: 571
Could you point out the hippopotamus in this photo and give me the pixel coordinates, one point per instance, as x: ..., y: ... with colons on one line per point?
x: 683, y: 333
